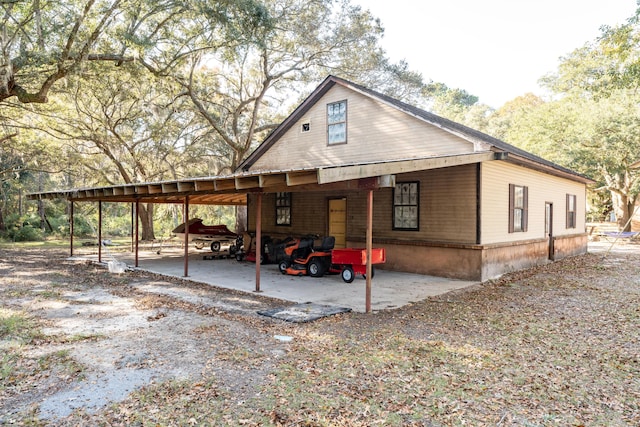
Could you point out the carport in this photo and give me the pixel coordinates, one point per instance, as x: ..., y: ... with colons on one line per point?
x: 232, y: 190
x: 391, y: 289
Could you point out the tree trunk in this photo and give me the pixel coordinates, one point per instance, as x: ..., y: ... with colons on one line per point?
x: 3, y: 207
x: 628, y: 213
x: 623, y: 207
x: 41, y: 214
x: 146, y: 221
x: 241, y: 219
x: 41, y: 205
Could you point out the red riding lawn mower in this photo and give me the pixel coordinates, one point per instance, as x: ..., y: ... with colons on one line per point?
x: 305, y: 259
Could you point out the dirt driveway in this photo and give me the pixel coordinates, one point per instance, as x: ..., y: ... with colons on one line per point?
x: 555, y: 345
x: 111, y: 334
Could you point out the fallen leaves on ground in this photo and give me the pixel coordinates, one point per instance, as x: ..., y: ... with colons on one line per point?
x: 553, y: 345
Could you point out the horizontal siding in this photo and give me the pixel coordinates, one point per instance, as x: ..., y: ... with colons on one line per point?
x: 447, y: 209
x: 308, y: 215
x: 451, y: 203
x: 375, y: 132
x: 496, y: 177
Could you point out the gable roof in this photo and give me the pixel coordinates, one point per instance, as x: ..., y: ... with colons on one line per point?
x: 510, y: 152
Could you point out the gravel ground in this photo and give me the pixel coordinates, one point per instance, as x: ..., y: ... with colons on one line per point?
x: 560, y: 345
x: 122, y: 331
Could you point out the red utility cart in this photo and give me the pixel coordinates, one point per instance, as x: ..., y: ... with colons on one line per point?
x: 352, y: 261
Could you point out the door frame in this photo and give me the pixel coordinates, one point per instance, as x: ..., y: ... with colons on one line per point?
x: 548, y: 227
x: 346, y: 207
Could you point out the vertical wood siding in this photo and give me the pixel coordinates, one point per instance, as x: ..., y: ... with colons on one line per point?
x: 375, y: 132
x: 496, y: 177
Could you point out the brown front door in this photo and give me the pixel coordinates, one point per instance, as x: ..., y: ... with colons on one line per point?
x: 338, y: 221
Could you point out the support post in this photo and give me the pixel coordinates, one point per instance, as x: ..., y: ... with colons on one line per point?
x: 185, y: 216
x: 368, y: 248
x: 100, y: 231
x: 258, y: 239
x: 137, y: 231
x: 71, y: 228
x: 132, y: 226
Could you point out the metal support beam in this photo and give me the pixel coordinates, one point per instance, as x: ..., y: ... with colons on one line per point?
x: 258, y: 239
x: 71, y: 228
x: 369, y: 244
x: 185, y: 216
x: 100, y: 231
x: 137, y: 204
x: 132, y: 231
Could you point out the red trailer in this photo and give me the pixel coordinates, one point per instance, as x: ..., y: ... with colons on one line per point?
x: 352, y: 261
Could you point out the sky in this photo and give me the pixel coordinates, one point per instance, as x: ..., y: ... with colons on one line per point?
x: 494, y: 49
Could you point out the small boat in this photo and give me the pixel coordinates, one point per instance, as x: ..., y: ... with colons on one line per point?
x: 202, y: 234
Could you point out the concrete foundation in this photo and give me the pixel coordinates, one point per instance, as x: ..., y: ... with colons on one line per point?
x: 477, y: 262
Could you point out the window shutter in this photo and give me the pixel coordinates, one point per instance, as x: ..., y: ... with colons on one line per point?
x: 525, y: 210
x: 567, y: 213
x: 511, y: 203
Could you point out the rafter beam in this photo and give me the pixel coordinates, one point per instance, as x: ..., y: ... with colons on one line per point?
x: 245, y: 183
x: 344, y: 173
x: 273, y: 180
x: 302, y: 178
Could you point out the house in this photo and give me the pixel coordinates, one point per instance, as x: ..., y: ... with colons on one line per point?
x: 449, y: 200
x: 441, y: 198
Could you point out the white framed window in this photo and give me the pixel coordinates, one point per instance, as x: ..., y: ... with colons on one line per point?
x: 571, y: 211
x: 518, y: 208
x: 337, y: 123
x: 406, y: 206
x: 283, y: 208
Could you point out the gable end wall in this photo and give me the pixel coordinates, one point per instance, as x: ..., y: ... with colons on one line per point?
x: 376, y: 132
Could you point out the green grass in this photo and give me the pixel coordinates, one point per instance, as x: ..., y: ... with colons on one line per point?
x: 57, y: 243
x: 19, y: 332
x: 16, y: 326
x: 60, y: 360
x: 8, y: 365
x: 49, y: 243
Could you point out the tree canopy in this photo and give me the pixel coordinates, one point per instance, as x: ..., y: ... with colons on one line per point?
x: 591, y: 123
x: 130, y: 91
x: 94, y: 92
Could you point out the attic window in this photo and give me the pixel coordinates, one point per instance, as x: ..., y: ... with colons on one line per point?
x: 337, y: 123
x: 306, y: 127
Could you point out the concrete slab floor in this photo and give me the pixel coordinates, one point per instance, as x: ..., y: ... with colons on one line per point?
x: 389, y: 289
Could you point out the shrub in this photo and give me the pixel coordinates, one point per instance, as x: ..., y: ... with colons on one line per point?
x: 27, y: 233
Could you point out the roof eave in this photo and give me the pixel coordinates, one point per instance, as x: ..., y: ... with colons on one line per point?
x: 531, y: 164
x: 302, y: 109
